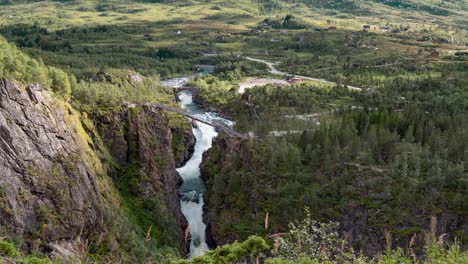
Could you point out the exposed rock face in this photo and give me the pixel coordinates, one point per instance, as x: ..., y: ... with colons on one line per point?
x: 48, y: 172
x: 224, y: 148
x: 134, y: 78
x: 140, y: 139
x: 53, y: 187
x: 184, y: 145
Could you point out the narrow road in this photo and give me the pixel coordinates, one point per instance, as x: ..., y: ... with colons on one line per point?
x: 273, y: 70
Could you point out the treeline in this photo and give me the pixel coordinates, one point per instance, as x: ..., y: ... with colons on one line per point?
x: 345, y: 6
x: 430, y: 85
x: 113, y: 93
x: 400, y: 167
x: 384, y: 159
x: 17, y: 66
x: 107, y: 89
x: 436, y: 93
x: 67, y: 49
x: 287, y: 22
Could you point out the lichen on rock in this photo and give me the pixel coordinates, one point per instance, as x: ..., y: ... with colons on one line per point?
x: 49, y: 175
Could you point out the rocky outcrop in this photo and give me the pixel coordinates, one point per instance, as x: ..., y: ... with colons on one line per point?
x: 140, y: 140
x: 223, y: 148
x: 53, y: 185
x: 49, y: 186
x: 183, y: 144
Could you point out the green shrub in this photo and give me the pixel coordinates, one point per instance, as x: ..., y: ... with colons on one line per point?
x: 232, y: 253
x: 60, y: 82
x: 7, y: 249
x: 16, y: 65
x: 34, y: 260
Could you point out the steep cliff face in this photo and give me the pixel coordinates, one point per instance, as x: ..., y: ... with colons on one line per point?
x: 218, y: 157
x: 49, y: 185
x: 140, y: 140
x: 54, y: 173
x: 183, y: 144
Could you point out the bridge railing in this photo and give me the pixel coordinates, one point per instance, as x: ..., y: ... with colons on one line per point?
x: 215, y: 123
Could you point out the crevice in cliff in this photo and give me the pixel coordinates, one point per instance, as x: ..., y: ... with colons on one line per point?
x: 140, y: 141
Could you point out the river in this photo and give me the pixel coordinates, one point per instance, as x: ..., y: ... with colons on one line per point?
x: 193, y: 185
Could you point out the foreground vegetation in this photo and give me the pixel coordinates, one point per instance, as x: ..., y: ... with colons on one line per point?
x: 307, y: 242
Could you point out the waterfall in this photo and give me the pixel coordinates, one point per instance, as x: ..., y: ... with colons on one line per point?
x: 193, y: 186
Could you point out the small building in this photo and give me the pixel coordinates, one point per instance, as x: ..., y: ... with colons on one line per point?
x: 147, y: 36
x: 332, y: 28
x: 295, y: 80
x: 435, y: 53
x: 366, y: 27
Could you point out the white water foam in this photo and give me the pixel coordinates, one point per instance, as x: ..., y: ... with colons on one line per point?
x: 193, y: 186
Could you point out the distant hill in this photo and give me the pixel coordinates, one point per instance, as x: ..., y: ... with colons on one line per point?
x: 359, y: 7
x: 369, y: 7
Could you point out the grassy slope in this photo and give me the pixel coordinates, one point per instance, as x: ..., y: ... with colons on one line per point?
x: 59, y: 15
x: 77, y: 42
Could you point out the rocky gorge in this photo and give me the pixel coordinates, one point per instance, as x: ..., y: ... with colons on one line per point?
x: 67, y: 176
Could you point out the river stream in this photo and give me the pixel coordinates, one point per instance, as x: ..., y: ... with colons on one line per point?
x: 193, y: 185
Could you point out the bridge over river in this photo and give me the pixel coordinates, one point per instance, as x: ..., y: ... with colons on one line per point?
x: 220, y: 126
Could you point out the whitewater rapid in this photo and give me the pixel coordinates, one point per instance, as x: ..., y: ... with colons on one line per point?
x: 193, y: 185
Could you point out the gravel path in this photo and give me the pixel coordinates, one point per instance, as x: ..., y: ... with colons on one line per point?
x: 273, y: 70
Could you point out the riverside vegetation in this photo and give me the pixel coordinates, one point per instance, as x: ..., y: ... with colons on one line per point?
x: 330, y: 175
